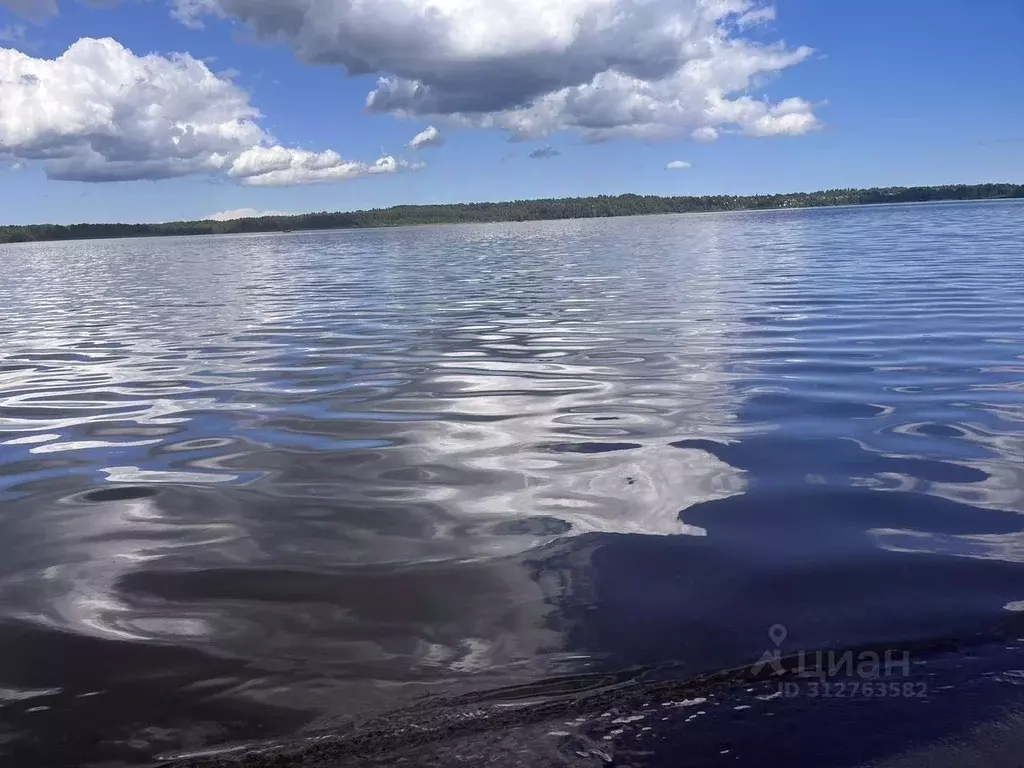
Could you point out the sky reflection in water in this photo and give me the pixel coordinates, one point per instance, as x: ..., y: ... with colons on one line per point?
x: 342, y: 469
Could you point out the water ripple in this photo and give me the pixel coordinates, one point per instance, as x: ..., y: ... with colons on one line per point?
x: 338, y: 469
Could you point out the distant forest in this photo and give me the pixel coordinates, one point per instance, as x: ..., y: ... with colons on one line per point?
x: 517, y: 210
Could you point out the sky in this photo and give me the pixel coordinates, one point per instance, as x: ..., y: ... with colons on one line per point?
x: 157, y: 110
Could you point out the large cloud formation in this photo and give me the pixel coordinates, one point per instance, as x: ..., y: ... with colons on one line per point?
x: 98, y: 112
x: 603, y: 68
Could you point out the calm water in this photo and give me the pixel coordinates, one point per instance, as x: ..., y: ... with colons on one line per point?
x: 256, y: 484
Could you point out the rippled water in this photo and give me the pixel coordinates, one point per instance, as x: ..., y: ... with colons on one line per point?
x: 248, y: 482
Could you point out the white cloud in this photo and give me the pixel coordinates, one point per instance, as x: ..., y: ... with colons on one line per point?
x: 98, y: 112
x: 279, y: 166
x: 791, y: 117
x: 243, y: 213
x: 428, y: 137
x: 602, y: 68
x: 704, y: 134
x: 617, y: 105
x: 678, y: 165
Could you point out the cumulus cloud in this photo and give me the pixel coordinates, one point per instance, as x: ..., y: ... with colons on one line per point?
x: 542, y: 153
x: 98, y: 112
x: 243, y: 213
x: 787, y: 118
x: 705, y: 133
x: 617, y: 105
x: 602, y: 68
x: 428, y: 137
x: 279, y: 166
x: 678, y: 165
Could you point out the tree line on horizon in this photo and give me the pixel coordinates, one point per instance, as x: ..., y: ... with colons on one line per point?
x: 516, y: 210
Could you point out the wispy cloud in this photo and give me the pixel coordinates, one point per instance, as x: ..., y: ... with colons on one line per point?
x: 678, y: 165
x: 16, y: 35
x: 757, y: 16
x: 543, y: 153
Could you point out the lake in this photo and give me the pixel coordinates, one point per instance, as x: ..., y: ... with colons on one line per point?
x: 525, y: 480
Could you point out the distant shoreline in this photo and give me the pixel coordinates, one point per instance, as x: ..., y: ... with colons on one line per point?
x: 603, y: 206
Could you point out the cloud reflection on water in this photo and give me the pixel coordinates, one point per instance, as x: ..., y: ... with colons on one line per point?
x: 378, y: 462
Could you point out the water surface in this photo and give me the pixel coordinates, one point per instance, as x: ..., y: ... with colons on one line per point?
x: 252, y: 484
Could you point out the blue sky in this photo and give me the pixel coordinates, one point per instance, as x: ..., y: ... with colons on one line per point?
x: 904, y: 92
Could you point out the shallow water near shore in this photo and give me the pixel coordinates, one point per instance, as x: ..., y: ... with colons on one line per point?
x: 256, y: 488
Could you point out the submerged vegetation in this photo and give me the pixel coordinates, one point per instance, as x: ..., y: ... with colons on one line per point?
x: 517, y: 210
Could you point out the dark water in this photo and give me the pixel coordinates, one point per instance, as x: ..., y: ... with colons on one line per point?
x: 262, y: 483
